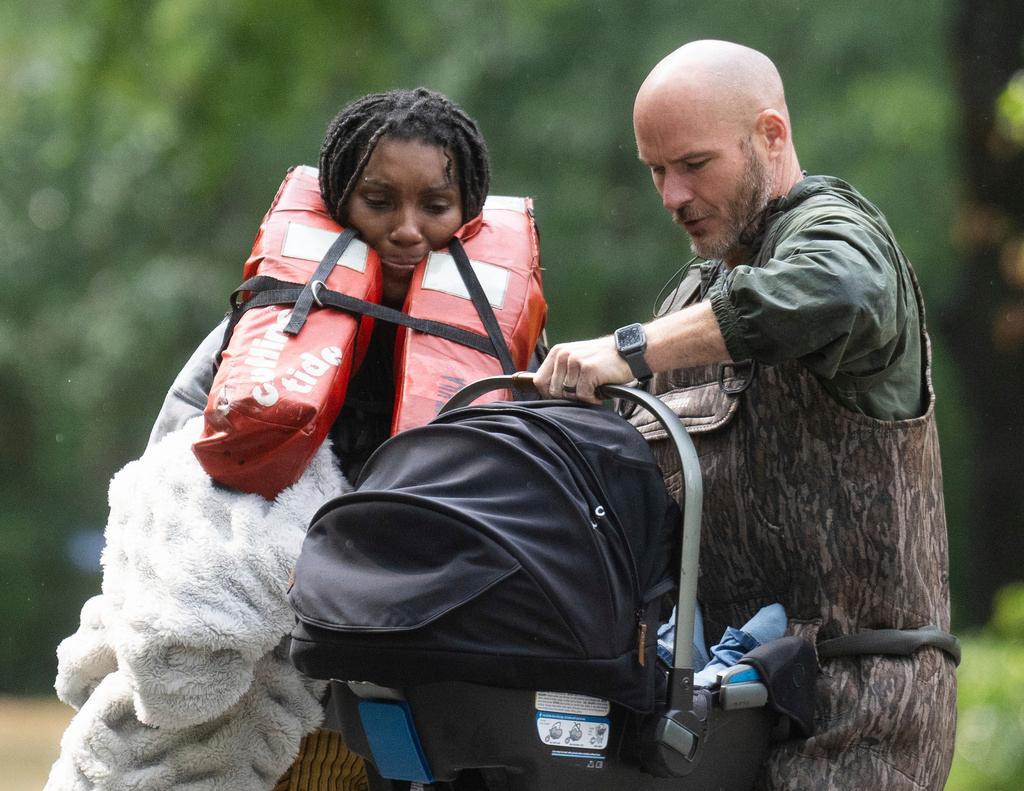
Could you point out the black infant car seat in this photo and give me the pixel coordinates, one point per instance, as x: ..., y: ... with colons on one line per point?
x: 486, y: 605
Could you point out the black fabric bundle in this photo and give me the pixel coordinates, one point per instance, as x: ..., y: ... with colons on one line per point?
x: 521, y: 545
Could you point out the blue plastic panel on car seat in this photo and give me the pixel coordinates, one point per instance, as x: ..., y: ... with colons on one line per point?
x: 391, y: 732
x: 739, y: 676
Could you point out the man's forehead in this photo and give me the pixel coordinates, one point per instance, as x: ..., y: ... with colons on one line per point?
x: 677, y: 135
x: 664, y: 155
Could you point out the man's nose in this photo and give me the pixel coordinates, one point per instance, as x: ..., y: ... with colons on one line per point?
x: 675, y: 192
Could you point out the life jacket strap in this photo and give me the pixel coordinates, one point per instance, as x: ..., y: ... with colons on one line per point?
x: 483, y: 307
x: 267, y: 291
x: 308, y: 295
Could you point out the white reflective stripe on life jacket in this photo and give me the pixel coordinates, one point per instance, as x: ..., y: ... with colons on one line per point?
x: 441, y: 274
x: 312, y: 244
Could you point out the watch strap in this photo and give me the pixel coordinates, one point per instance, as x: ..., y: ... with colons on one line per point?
x: 638, y: 365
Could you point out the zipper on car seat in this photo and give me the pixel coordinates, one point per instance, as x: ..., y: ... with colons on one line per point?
x: 641, y: 636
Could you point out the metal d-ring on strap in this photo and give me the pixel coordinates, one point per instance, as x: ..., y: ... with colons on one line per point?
x: 308, y: 294
x: 315, y: 287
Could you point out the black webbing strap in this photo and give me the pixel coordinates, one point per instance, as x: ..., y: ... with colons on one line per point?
x: 305, y: 300
x: 271, y: 291
x: 898, y: 642
x: 483, y: 307
x: 473, y: 340
x: 265, y: 290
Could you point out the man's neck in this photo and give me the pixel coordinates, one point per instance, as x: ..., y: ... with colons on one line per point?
x: 751, y: 236
x: 736, y: 256
x: 787, y: 176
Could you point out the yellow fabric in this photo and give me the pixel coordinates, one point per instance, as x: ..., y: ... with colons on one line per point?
x: 324, y: 763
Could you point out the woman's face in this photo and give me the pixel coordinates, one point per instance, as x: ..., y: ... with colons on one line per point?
x: 405, y: 205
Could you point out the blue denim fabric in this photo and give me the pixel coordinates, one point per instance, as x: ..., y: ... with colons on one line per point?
x: 667, y: 641
x: 768, y: 623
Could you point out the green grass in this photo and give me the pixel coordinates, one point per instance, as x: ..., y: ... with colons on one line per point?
x: 990, y: 726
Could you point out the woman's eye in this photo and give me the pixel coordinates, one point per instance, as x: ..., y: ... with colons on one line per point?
x: 438, y: 208
x: 376, y: 201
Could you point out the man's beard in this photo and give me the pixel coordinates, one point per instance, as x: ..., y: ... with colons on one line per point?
x: 741, y: 212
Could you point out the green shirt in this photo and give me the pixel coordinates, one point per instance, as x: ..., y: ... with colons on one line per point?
x: 827, y: 285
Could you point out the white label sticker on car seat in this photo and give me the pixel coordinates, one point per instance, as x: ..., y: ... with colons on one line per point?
x: 570, y: 703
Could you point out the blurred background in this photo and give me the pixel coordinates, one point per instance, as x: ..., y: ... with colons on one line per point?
x: 141, y: 143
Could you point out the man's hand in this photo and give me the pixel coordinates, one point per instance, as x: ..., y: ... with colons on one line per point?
x: 682, y: 339
x: 575, y: 370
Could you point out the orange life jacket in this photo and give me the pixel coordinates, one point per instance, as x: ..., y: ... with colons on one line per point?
x: 302, y: 321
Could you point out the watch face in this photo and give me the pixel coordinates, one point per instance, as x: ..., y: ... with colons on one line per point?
x: 631, y: 337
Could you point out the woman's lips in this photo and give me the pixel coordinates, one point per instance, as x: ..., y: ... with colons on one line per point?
x: 401, y: 263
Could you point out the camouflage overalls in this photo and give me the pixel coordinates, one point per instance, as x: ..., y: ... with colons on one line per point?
x: 839, y: 517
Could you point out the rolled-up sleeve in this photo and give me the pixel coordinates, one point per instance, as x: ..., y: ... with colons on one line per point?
x: 827, y: 297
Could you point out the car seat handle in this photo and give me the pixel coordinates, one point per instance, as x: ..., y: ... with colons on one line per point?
x: 691, y: 494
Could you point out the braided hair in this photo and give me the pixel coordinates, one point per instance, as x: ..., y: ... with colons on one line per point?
x: 420, y: 114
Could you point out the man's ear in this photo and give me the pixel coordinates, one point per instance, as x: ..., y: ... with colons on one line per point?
x: 773, y: 130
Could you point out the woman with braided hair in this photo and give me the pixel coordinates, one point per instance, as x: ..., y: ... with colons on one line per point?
x: 406, y: 169
x: 381, y: 159
x: 179, y: 668
x: 412, y: 132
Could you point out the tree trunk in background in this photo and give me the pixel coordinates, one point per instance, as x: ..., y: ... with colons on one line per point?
x: 985, y: 325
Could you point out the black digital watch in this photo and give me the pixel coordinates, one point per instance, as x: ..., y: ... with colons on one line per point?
x: 631, y: 343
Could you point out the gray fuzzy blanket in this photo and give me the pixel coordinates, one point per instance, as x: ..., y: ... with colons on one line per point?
x: 178, y: 669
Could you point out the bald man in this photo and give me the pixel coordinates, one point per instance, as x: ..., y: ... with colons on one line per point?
x: 796, y: 355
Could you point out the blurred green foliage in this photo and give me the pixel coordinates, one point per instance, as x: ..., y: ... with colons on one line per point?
x: 140, y: 144
x: 1008, y: 615
x: 990, y: 727
x: 1010, y: 109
